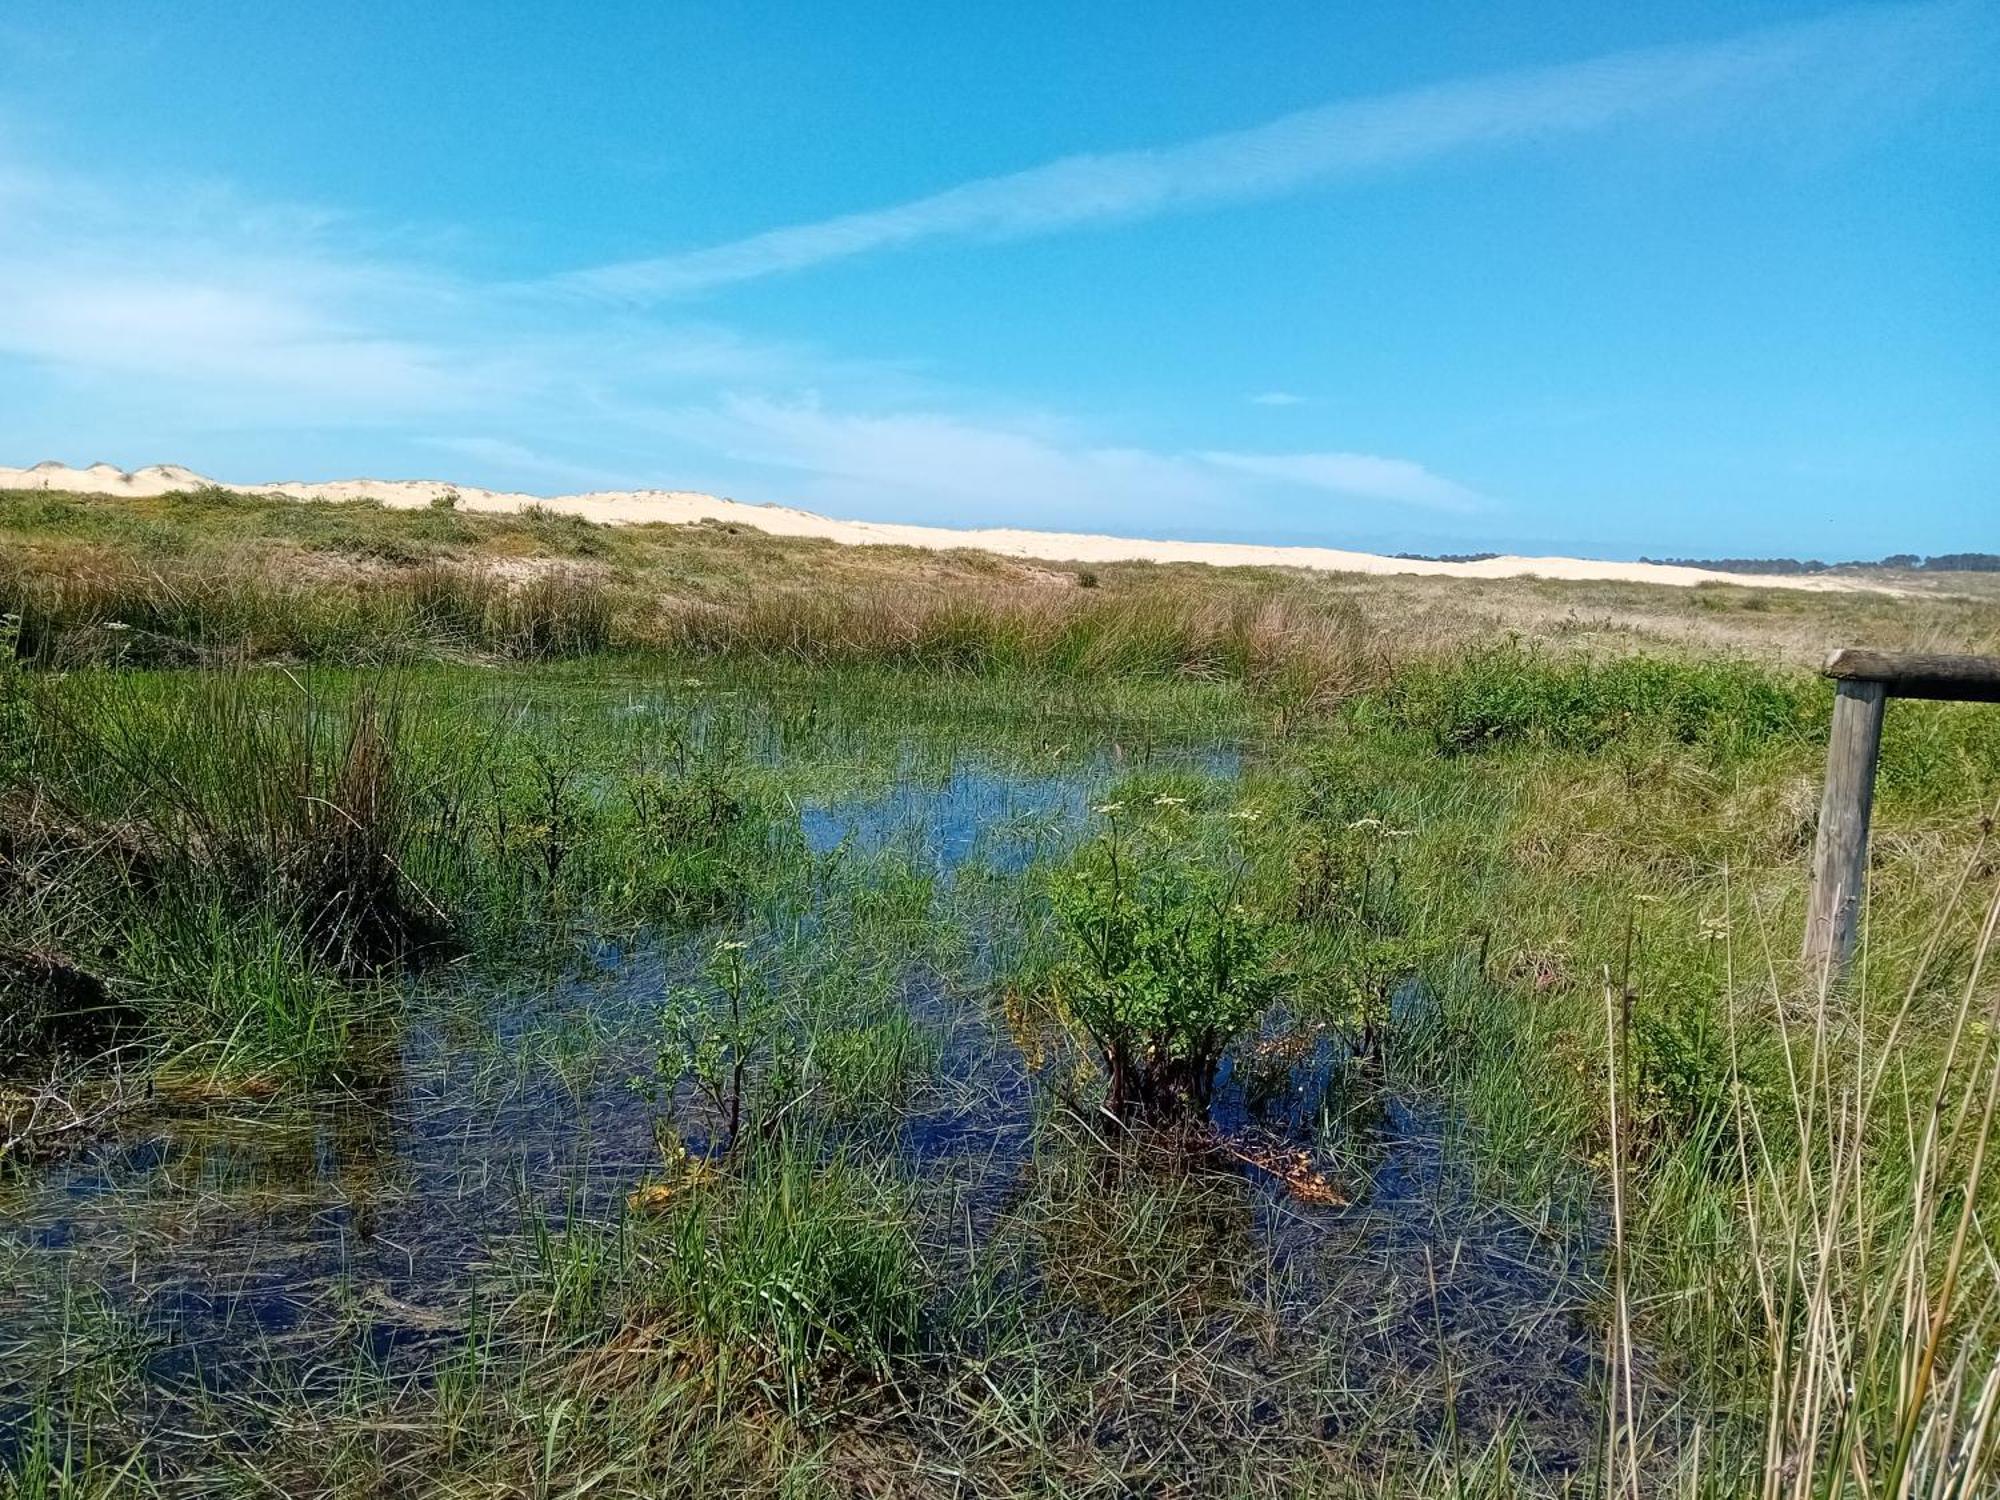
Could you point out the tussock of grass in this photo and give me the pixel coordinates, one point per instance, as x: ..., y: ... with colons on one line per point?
x: 800, y: 1269
x: 239, y: 858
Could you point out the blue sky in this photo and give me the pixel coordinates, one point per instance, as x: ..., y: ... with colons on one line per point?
x: 1688, y: 278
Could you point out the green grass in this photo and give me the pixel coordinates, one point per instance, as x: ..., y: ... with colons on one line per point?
x: 1510, y: 696
x: 520, y: 850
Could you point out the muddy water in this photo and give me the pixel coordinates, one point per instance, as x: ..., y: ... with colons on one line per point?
x: 240, y: 1237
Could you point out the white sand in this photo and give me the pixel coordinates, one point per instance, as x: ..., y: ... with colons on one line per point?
x: 684, y: 506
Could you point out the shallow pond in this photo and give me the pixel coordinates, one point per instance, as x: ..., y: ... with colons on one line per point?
x: 239, y: 1241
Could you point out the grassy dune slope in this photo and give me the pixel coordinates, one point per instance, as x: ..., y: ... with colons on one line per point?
x: 357, y: 582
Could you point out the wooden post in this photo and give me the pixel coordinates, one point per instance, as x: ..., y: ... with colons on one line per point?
x: 1840, y: 851
x: 1863, y: 682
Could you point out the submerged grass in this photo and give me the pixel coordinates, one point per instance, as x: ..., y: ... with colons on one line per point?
x: 242, y: 861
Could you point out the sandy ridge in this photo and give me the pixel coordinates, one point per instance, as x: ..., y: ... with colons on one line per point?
x: 684, y: 506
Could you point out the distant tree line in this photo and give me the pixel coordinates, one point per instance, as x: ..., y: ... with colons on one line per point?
x: 1944, y: 562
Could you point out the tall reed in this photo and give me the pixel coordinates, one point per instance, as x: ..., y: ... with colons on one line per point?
x: 83, y: 606
x: 1313, y: 653
x: 1870, y: 1283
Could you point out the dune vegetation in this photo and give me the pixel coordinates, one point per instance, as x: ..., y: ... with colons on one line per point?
x: 495, y: 1005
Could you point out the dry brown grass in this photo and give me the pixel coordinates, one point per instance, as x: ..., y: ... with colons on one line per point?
x: 226, y: 566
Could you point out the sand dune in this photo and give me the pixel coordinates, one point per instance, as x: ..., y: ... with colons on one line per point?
x: 684, y: 506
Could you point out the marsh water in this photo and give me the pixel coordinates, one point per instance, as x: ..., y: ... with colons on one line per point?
x: 239, y: 1240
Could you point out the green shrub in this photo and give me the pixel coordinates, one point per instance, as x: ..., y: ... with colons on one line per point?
x: 1165, y: 966
x: 1682, y: 1074
x: 730, y: 1040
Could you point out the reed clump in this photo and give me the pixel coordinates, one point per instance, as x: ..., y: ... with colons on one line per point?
x: 1320, y: 655
x: 227, y: 867
x: 1853, y: 1282
x: 268, y: 792
x: 92, y: 607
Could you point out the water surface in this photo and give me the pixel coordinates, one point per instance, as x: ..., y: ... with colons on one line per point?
x: 238, y: 1238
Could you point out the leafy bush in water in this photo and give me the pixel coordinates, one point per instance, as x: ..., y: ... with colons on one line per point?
x: 1164, y: 967
x: 1512, y: 696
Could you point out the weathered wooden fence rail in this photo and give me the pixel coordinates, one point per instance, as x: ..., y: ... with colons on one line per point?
x: 1864, y: 681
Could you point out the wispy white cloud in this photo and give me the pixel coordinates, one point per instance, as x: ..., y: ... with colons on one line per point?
x: 947, y: 467
x: 232, y: 316
x: 1276, y: 398
x: 216, y: 295
x: 1364, y: 476
x: 950, y: 465
x: 188, y: 298
x: 536, y: 468
x: 1849, y: 49
x: 125, y: 323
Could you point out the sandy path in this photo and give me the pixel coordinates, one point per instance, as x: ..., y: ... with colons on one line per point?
x: 683, y: 506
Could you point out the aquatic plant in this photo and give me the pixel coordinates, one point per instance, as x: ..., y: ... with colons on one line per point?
x: 730, y: 1039
x: 1165, y: 965
x: 790, y: 1264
